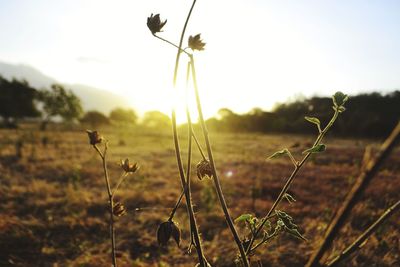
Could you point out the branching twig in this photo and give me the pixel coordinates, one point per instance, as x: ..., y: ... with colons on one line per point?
x: 364, y: 236
x: 110, y: 201
x: 361, y: 183
x: 120, y: 181
x: 291, y: 178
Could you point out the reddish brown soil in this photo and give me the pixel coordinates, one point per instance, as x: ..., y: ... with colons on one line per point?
x: 53, y: 201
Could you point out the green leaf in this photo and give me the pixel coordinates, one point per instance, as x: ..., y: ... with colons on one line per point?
x: 278, y: 154
x: 316, y: 149
x: 279, y: 225
x: 313, y: 120
x: 286, y: 219
x: 267, y: 226
x: 243, y: 217
x: 294, y: 232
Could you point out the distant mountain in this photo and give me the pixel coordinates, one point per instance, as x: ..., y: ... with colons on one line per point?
x: 92, y: 98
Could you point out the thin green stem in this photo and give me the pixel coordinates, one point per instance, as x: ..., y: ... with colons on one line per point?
x: 294, y: 161
x: 214, y: 170
x: 291, y: 178
x: 263, y: 241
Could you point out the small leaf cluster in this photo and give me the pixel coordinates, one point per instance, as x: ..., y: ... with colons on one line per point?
x: 283, y: 223
x: 287, y: 224
x: 339, y: 99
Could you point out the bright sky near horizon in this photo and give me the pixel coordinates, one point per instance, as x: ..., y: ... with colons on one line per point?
x: 258, y: 52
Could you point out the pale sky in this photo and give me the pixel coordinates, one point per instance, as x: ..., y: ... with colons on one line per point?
x: 258, y: 52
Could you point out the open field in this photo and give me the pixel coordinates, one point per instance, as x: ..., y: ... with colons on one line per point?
x: 53, y: 202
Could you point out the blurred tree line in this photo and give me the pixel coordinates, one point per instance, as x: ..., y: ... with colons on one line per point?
x: 20, y: 101
x: 369, y: 115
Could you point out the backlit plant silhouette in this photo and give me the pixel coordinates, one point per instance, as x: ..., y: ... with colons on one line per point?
x: 116, y: 209
x: 259, y: 230
x: 207, y: 166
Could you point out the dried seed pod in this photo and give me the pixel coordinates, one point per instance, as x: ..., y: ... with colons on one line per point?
x: 176, y: 233
x: 154, y: 23
x: 204, y: 169
x: 94, y: 137
x: 119, y: 209
x: 166, y: 230
x: 195, y: 43
x: 127, y: 167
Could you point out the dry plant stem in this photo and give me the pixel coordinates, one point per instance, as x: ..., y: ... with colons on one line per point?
x: 194, y: 234
x: 290, y: 180
x: 120, y: 180
x: 193, y: 225
x: 366, y: 175
x: 171, y: 43
x: 110, y: 202
x: 171, y: 216
x: 198, y: 145
x: 364, y: 236
x: 192, y: 134
x: 178, y: 152
x: 214, y: 170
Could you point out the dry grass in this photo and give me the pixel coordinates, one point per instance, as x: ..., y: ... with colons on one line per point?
x: 53, y: 212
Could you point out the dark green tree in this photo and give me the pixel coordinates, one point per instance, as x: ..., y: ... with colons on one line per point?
x: 94, y: 119
x: 123, y: 116
x: 16, y: 101
x: 59, y: 102
x: 156, y: 119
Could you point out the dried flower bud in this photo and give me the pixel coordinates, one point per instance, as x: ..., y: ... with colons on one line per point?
x: 204, y: 169
x: 127, y: 167
x: 119, y: 209
x: 195, y: 43
x: 176, y: 234
x: 166, y: 230
x: 154, y: 23
x: 94, y: 137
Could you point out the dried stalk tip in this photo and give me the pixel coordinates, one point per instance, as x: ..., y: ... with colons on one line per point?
x: 127, y: 167
x: 154, y: 23
x: 119, y: 209
x: 204, y: 169
x: 195, y: 43
x: 94, y: 137
x: 166, y: 230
